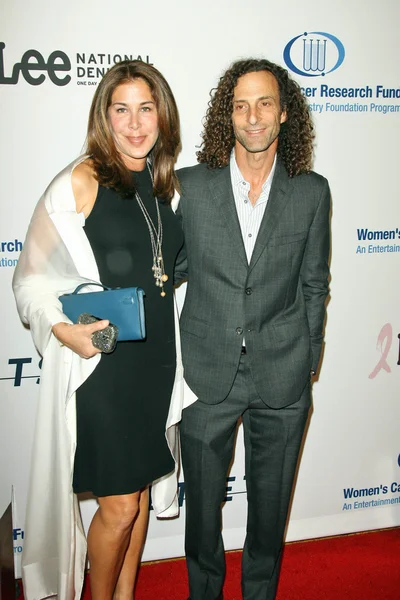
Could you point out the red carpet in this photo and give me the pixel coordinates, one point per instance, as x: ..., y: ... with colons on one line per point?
x: 355, y: 567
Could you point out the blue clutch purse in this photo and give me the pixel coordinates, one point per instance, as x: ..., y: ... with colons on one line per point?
x: 124, y: 307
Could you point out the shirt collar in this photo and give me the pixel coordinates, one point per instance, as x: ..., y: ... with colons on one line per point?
x: 238, y: 179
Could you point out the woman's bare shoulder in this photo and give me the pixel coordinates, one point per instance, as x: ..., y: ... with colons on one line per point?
x: 84, y: 186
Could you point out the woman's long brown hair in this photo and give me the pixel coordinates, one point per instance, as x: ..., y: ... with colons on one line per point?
x: 107, y: 162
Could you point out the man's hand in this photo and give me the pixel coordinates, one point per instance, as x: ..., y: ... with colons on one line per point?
x: 79, y: 337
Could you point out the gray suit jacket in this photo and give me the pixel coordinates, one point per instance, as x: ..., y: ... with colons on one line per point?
x: 277, y: 301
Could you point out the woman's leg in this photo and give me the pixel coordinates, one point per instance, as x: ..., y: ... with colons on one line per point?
x: 127, y: 577
x: 110, y: 536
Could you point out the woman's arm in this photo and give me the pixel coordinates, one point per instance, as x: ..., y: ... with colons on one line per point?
x: 84, y: 187
x: 79, y: 337
x: 46, y: 270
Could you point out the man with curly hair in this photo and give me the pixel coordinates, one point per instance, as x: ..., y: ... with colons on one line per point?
x: 256, y: 224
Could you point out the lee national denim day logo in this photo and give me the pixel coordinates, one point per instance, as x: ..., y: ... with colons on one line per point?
x: 317, y: 54
x: 85, y: 68
x: 314, y: 54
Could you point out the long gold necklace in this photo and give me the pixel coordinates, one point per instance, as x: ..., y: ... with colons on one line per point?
x: 156, y: 239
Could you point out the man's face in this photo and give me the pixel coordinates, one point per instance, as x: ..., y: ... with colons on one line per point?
x: 256, y: 115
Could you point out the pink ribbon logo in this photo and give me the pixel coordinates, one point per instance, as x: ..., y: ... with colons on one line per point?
x: 385, y: 335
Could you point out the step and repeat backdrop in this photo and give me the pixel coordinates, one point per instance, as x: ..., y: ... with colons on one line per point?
x: 52, y: 56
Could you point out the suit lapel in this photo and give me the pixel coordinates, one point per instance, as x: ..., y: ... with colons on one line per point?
x: 220, y: 187
x: 278, y: 198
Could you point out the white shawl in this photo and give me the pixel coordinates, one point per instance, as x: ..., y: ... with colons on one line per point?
x: 55, y: 259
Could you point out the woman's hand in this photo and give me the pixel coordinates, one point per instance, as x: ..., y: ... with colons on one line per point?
x: 79, y: 337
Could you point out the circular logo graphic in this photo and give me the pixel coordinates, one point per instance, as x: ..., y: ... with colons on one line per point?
x: 314, y: 54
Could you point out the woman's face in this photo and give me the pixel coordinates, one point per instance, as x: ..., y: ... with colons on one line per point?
x: 133, y: 119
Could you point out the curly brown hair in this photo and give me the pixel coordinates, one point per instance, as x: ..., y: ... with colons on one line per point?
x: 295, y: 141
x: 107, y: 162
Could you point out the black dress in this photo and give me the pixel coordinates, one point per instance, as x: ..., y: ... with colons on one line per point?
x: 123, y: 406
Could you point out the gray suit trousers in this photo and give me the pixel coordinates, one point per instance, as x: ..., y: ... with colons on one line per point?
x: 272, y: 441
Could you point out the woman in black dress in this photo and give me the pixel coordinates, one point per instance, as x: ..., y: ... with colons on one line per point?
x: 124, y: 189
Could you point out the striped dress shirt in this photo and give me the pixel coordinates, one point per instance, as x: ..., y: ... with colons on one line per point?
x: 249, y: 216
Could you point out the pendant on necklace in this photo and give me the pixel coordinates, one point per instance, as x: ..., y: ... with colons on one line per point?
x: 159, y: 276
x: 156, y: 237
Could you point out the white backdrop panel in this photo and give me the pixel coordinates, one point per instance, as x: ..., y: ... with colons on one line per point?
x: 351, y: 455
